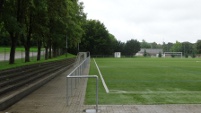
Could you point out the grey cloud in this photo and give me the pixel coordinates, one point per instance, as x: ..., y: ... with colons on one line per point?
x: 149, y: 19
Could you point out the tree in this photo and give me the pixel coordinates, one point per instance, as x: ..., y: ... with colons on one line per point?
x: 154, y: 45
x: 76, y: 20
x: 198, y: 46
x: 145, y: 44
x: 159, y: 54
x: 40, y: 26
x: 167, y: 47
x: 96, y: 39
x: 187, y: 48
x: 177, y: 47
x: 119, y: 46
x: 28, y: 17
x: 131, y: 47
x: 13, y: 15
x: 112, y: 44
x: 45, y: 22
x: 145, y: 53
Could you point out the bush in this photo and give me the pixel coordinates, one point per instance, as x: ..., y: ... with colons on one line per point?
x: 145, y: 53
x: 193, y: 55
x: 186, y: 55
x: 159, y: 55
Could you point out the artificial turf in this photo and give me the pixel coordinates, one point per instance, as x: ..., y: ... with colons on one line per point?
x: 147, y: 81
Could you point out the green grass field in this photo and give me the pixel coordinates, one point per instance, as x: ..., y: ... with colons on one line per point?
x: 147, y: 81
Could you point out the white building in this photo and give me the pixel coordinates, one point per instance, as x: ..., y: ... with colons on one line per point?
x: 152, y: 52
x: 117, y: 54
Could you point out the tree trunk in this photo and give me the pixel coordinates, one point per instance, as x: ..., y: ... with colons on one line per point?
x: 54, y: 50
x: 39, y: 50
x: 27, y: 56
x: 50, y: 48
x: 28, y: 40
x: 50, y: 53
x: 26, y: 43
x: 13, y: 46
x: 46, y: 53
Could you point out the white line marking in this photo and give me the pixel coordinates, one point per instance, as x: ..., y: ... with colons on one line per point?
x: 103, y: 81
x: 154, y: 92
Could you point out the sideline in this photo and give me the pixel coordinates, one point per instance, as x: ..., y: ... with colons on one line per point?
x: 103, y: 81
x: 154, y: 92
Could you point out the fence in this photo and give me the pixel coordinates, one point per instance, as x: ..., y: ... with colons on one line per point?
x: 75, y: 77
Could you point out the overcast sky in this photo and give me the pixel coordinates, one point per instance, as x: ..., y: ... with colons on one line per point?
x: 151, y: 20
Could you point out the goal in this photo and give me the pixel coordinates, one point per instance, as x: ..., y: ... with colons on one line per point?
x: 172, y: 54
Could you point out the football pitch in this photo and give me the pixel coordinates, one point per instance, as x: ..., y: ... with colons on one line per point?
x: 146, y: 81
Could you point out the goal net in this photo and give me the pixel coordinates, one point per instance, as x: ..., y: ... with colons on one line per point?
x: 172, y: 54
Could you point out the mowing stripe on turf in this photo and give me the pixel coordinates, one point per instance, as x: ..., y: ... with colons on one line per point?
x: 103, y: 81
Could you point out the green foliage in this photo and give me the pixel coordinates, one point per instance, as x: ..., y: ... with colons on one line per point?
x: 187, y: 48
x: 131, y: 47
x: 198, y: 46
x: 119, y: 46
x: 97, y: 39
x: 186, y: 55
x: 154, y: 45
x: 193, y: 55
x: 177, y: 47
x: 145, y: 44
x: 167, y: 47
x: 44, y: 23
x: 159, y: 54
x: 145, y: 53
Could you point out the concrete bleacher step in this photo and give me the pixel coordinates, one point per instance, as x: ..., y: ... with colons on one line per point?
x: 22, y: 85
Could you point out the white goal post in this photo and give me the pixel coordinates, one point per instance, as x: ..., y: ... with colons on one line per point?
x: 172, y: 54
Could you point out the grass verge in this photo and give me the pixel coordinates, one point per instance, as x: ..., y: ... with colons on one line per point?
x: 19, y: 49
x: 20, y: 62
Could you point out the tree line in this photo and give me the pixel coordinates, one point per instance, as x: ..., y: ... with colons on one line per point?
x: 58, y: 26
x: 187, y: 48
x: 99, y: 41
x: 43, y: 22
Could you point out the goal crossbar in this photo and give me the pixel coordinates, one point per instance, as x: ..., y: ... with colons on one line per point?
x: 173, y: 53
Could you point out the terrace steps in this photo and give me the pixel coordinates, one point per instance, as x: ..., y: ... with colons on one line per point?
x: 18, y: 82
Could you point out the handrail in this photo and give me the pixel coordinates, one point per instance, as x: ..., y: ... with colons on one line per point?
x: 73, y: 79
x: 89, y: 76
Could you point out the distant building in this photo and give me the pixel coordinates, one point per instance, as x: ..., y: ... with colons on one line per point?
x: 117, y: 54
x: 151, y: 52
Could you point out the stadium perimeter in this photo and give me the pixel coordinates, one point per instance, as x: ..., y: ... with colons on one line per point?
x: 51, y: 98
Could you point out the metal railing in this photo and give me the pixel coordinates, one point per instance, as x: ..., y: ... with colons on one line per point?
x: 74, y: 79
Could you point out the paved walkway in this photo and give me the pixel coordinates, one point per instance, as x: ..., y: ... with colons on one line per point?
x: 51, y: 98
